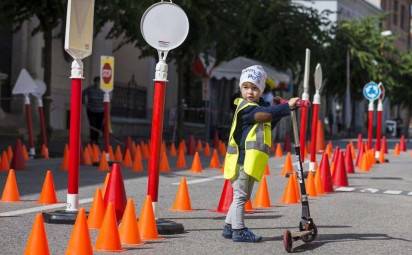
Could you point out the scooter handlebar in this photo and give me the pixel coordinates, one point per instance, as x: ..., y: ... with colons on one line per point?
x: 299, y: 103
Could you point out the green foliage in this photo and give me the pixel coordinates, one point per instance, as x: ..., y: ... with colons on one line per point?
x: 372, y: 56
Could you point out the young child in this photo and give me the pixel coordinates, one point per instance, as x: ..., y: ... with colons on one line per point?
x: 248, y: 149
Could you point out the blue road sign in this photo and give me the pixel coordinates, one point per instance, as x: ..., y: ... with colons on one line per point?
x: 371, y: 91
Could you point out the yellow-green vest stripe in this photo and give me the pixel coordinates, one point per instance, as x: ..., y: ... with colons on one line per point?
x: 257, y: 147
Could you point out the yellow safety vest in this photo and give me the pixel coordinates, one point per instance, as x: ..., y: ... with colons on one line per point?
x: 257, y: 147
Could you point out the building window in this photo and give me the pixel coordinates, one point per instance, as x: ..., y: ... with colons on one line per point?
x: 403, y: 12
x: 395, y: 12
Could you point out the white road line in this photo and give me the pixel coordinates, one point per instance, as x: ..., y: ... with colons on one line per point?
x: 345, y: 189
x: 369, y: 190
x: 410, y: 194
x: 42, y: 208
x: 201, y: 180
x: 393, y: 192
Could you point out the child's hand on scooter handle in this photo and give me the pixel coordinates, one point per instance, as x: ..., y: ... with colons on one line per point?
x: 293, y: 102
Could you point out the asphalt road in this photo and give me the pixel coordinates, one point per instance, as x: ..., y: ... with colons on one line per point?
x: 372, y: 217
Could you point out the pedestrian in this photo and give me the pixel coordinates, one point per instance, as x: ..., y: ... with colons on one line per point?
x: 95, y: 109
x: 249, y: 146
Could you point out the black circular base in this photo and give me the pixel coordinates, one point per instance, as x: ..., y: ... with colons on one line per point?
x: 168, y: 227
x: 60, y: 217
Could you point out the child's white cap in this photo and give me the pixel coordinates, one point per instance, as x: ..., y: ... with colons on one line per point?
x: 254, y: 74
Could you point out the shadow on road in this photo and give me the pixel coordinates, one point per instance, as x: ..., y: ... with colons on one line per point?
x: 332, y: 238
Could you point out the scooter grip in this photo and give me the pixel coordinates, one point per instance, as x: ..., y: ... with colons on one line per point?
x: 299, y: 103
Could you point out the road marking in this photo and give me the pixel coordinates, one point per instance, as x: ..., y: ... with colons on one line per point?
x: 369, y: 190
x: 410, y: 194
x: 393, y: 192
x: 42, y: 208
x: 201, y: 180
x: 345, y: 189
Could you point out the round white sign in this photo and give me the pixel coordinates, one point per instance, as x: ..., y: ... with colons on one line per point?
x: 164, y: 26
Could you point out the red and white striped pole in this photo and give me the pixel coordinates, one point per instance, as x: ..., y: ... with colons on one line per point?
x: 29, y: 122
x: 157, y: 127
x: 304, y: 110
x: 106, y: 127
x: 370, y: 123
x: 42, y: 121
x: 74, y: 135
x: 315, y: 117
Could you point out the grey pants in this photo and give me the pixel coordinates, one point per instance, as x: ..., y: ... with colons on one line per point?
x: 242, y: 188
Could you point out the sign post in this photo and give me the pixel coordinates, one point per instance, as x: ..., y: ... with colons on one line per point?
x: 371, y: 92
x: 78, y: 44
x: 315, y: 116
x: 25, y: 85
x: 106, y: 84
x: 40, y: 90
x: 164, y: 26
x: 304, y: 110
x: 379, y: 121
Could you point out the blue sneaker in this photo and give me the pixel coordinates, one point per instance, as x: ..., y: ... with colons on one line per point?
x: 227, y: 231
x: 245, y: 235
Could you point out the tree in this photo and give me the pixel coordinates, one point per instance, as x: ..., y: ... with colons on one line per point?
x: 372, y: 56
x: 51, y: 14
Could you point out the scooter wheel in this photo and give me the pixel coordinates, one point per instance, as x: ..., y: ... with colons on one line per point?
x: 310, y: 237
x: 287, y: 241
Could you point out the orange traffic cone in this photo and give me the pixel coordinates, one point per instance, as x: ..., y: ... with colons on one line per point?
x: 320, y: 137
x: 267, y: 170
x: 262, y: 198
x: 127, y: 161
x: 222, y: 149
x: 103, y: 165
x: 108, y: 238
x: 206, y: 151
x: 278, y: 151
x: 118, y: 156
x: 318, y: 183
x: 48, y: 193
x: 80, y: 242
x: 97, y: 211
x: 173, y: 152
x: 25, y: 152
x: 145, y: 151
x: 11, y: 191
x: 248, y: 206
x: 37, y: 242
x: 106, y: 181
x: 5, y: 162
x: 289, y: 195
x: 310, y: 184
x: 147, y: 222
x: 9, y: 152
x: 196, y: 164
x: 397, y: 150
x: 181, y: 161
x: 129, y: 228
x: 65, y: 164
x: 137, y: 162
x: 288, y: 167
x: 87, y: 160
x: 182, y: 200
x: 214, y: 161
x: 199, y: 146
x: 164, y: 163
x: 111, y: 153
x: 382, y: 155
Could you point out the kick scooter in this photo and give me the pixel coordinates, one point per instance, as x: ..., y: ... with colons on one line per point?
x: 307, y: 228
